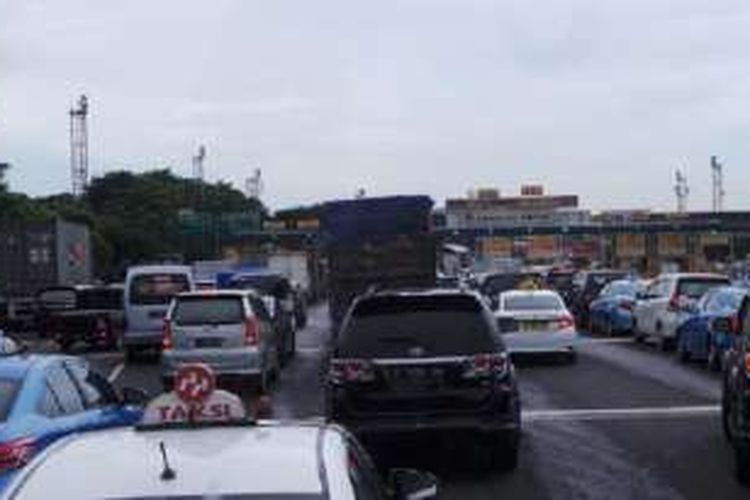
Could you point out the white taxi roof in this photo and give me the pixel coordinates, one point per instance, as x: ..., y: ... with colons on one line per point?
x: 127, y: 463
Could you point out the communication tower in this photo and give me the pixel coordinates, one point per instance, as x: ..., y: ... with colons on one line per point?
x: 79, y: 146
x: 681, y: 190
x: 717, y: 178
x: 254, y: 185
x: 198, y: 163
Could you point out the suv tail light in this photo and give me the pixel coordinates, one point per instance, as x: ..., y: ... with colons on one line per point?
x: 166, y: 335
x: 342, y: 371
x: 16, y: 453
x: 566, y: 322
x: 252, y: 332
x: 487, y: 365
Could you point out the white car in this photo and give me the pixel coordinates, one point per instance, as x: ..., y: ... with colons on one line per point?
x: 536, y: 321
x: 197, y: 442
x: 667, y: 302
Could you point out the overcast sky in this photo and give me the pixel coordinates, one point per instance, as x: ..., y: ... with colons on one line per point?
x: 396, y: 96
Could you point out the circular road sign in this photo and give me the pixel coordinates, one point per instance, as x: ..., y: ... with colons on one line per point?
x: 194, y: 383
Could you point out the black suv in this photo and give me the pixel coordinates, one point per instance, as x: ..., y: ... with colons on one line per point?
x: 409, y: 364
x: 735, y: 401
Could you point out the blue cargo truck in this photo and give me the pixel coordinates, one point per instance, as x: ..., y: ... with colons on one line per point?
x: 376, y: 244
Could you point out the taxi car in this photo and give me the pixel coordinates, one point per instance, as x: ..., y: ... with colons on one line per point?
x: 198, y: 442
x: 46, y: 397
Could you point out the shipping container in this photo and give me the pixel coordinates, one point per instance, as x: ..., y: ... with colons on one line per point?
x: 35, y: 255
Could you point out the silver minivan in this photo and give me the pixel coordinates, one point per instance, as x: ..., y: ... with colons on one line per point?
x: 148, y: 293
x: 229, y: 330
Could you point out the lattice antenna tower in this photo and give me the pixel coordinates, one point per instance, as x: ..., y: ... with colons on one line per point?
x: 199, y: 161
x: 79, y: 146
x: 717, y: 185
x: 254, y: 185
x: 681, y: 190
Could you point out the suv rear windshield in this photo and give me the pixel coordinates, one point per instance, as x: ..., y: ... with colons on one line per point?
x: 694, y: 288
x: 405, y: 326
x: 208, y: 310
x: 8, y: 390
x: 532, y: 303
x: 157, y: 289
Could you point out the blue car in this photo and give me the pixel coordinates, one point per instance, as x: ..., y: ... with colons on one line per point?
x: 46, y: 397
x: 697, y: 337
x: 612, y: 311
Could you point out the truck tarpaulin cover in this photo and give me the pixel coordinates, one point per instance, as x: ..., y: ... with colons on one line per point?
x: 373, y: 219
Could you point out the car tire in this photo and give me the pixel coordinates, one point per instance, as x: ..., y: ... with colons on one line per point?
x: 504, y: 452
x: 742, y: 463
x: 638, y: 335
x: 683, y: 354
x: 132, y: 355
x: 713, y: 361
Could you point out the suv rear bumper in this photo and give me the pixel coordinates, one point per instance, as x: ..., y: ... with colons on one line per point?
x: 224, y: 362
x: 392, y: 426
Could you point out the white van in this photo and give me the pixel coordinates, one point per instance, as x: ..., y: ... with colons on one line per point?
x: 148, y: 293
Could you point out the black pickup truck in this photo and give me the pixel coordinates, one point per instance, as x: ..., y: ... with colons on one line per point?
x: 92, y: 315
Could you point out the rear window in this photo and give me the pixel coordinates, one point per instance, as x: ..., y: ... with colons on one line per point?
x: 157, y: 289
x: 208, y: 310
x: 264, y: 284
x: 8, y: 390
x: 394, y: 327
x: 100, y: 298
x: 532, y: 303
x: 628, y: 289
x: 694, y: 288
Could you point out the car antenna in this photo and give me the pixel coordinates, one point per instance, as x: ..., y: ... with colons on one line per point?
x: 168, y: 474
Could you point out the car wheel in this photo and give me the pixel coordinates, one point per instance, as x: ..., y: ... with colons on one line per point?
x: 504, y: 452
x: 726, y: 415
x: 132, y: 355
x: 713, y: 361
x: 742, y: 463
x: 683, y: 354
x: 609, y: 330
x: 638, y: 336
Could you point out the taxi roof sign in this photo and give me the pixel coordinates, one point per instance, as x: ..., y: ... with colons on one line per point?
x: 195, y: 400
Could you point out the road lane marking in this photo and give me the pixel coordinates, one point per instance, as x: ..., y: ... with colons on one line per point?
x: 621, y: 413
x: 116, y: 372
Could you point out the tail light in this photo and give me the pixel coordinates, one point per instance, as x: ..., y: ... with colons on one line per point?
x: 566, y: 322
x: 252, y: 332
x: 166, y: 335
x: 674, y: 304
x: 487, y: 365
x: 747, y: 363
x: 15, y: 454
x: 626, y: 306
x: 342, y: 371
x: 734, y: 321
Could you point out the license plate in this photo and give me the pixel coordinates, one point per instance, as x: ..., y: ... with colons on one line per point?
x: 535, y: 326
x: 207, y: 342
x: 414, y: 378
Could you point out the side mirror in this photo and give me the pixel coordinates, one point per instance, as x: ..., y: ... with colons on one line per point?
x: 410, y: 484
x: 130, y: 396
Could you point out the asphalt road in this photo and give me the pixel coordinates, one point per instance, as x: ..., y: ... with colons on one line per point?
x: 624, y: 422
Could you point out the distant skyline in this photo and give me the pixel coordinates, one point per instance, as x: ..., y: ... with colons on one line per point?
x: 600, y: 99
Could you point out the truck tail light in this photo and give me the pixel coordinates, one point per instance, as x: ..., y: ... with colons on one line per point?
x: 487, y: 365
x: 166, y: 335
x: 342, y: 371
x: 15, y: 454
x: 252, y: 332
